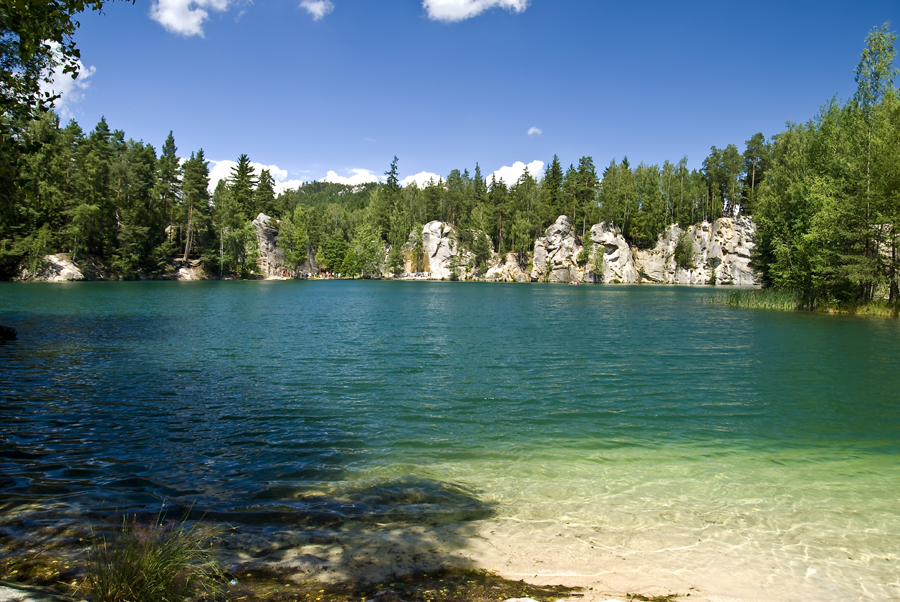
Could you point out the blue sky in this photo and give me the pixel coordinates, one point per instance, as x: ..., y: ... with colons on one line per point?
x: 344, y: 85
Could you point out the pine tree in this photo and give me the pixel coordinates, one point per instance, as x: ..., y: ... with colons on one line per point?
x: 168, y: 183
x: 195, y: 196
x: 552, y: 186
x: 586, y: 191
x: 242, y: 183
x: 264, y: 195
x: 756, y: 163
x: 498, y: 197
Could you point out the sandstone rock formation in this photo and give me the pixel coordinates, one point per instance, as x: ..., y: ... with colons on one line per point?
x: 731, y: 242
x: 270, y: 259
x: 616, y: 260
x: 56, y: 268
x: 721, y: 255
x: 556, y: 254
x: 506, y: 269
x: 189, y: 270
x: 443, y: 258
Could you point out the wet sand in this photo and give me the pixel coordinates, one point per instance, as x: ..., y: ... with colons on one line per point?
x: 545, y: 554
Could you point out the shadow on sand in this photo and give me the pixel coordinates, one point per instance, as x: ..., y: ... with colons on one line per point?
x: 343, y: 532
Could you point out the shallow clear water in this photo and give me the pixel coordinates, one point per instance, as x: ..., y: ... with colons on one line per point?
x: 637, y: 415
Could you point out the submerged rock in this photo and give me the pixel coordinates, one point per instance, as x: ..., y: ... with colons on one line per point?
x: 8, y: 333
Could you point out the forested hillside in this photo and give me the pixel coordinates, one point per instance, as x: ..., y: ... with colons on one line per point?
x: 99, y: 193
x: 825, y: 194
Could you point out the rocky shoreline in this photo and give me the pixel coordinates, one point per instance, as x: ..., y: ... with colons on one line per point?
x: 716, y: 253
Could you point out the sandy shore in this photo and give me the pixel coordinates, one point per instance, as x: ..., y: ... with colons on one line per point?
x: 602, y: 565
x: 542, y: 554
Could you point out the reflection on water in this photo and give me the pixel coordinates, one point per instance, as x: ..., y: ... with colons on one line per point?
x: 647, y: 420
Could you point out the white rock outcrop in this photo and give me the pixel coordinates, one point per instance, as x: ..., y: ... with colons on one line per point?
x: 556, y: 254
x: 721, y: 248
x: 733, y: 243
x: 617, y: 259
x: 443, y: 257
x: 189, y: 270
x: 270, y: 259
x: 721, y: 254
x: 55, y: 268
x: 507, y: 269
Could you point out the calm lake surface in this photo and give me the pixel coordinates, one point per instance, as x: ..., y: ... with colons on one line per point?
x: 639, y: 413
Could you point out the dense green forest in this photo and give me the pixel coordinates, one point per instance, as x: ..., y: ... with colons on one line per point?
x: 828, y: 212
x: 101, y: 194
x: 825, y: 195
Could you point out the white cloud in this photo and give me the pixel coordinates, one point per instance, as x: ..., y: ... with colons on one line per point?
x: 281, y: 186
x: 317, y: 8
x: 185, y: 17
x: 511, y: 174
x: 534, y: 130
x: 360, y: 176
x: 221, y: 170
x: 70, y: 90
x: 421, y: 179
x: 450, y: 11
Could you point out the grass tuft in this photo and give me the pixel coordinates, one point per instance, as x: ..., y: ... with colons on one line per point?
x: 153, y: 563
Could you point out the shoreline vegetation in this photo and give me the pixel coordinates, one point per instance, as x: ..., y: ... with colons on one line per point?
x: 791, y: 300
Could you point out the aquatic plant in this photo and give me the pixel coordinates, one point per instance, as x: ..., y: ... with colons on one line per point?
x: 789, y: 299
x: 765, y: 298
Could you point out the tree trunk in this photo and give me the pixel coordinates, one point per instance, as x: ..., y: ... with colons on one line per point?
x: 753, y: 178
x: 894, y: 289
x: 187, y: 242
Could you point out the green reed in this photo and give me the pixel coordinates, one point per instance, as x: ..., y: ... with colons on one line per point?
x: 154, y: 563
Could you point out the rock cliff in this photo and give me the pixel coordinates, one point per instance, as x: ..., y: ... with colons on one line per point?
x: 506, y: 269
x: 720, y: 255
x: 612, y: 256
x: 444, y: 260
x: 270, y: 259
x: 557, y: 253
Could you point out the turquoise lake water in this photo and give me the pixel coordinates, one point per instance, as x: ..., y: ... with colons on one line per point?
x: 632, y: 410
